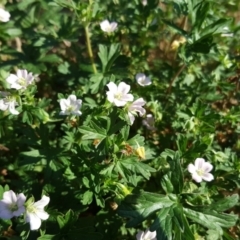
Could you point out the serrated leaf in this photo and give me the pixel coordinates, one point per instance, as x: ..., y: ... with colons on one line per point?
x: 211, y: 219
x: 138, y: 207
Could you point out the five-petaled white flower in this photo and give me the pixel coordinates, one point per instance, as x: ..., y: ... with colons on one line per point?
x: 8, y: 102
x: 21, y: 80
x: 12, y: 205
x: 71, y: 105
x: 118, y: 95
x: 35, y: 212
x: 108, y: 27
x: 143, y: 80
x: 136, y: 106
x: 200, y: 170
x: 149, y: 122
x: 4, y: 15
x: 147, y: 235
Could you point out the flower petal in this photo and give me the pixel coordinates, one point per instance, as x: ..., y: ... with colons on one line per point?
x: 150, y: 235
x: 34, y: 220
x: 12, y: 78
x: 131, y: 117
x: 42, y: 214
x: 112, y: 87
x: 3, y: 106
x: 196, y: 177
x: 12, y: 109
x: 207, y: 167
x: 113, y: 26
x: 64, y: 103
x: 42, y: 203
x: 123, y: 88
x: 199, y: 163
x: 139, y: 235
x: 191, y: 168
x: 72, y: 99
x: 127, y: 97
x: 21, y: 198
x: 207, y: 177
x: 10, y: 197
x: 5, y: 213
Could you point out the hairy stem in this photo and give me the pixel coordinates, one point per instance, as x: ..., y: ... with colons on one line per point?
x: 89, y: 47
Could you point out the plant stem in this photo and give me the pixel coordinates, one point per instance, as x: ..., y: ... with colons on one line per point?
x: 89, y: 47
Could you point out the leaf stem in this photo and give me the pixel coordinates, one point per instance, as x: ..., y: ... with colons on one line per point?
x: 89, y: 47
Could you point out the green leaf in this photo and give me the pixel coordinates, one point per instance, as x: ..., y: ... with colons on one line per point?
x: 138, y: 207
x: 211, y: 219
x: 176, y: 174
x: 175, y: 27
x: 108, y: 55
x: 87, y: 197
x: 216, y: 27
x: 163, y: 221
x: 166, y: 184
x: 49, y: 237
x: 224, y: 204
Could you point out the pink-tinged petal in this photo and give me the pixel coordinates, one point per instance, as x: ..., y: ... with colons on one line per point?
x: 139, y: 102
x: 64, y: 103
x: 42, y: 215
x: 191, y: 168
x: 119, y: 103
x: 79, y: 102
x: 207, y: 177
x: 42, y: 203
x: 21, y: 198
x: 123, y: 88
x: 139, y: 235
x: 140, y: 76
x: 19, y: 73
x: 147, y: 81
x: 12, y: 109
x: 113, y: 26
x: 10, y: 197
x: 12, y: 79
x: 127, y: 97
x: 24, y: 73
x: 207, y: 167
x: 5, y: 213
x: 131, y: 117
x: 110, y: 97
x: 72, y: 99
x: 196, y: 177
x: 112, y: 87
x: 18, y: 212
x: 199, y: 163
x: 34, y: 220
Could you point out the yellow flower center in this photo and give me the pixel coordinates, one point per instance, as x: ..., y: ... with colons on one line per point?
x: 118, y: 96
x: 22, y: 82
x: 200, y: 172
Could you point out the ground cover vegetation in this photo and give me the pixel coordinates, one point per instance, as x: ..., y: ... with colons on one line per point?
x: 119, y: 119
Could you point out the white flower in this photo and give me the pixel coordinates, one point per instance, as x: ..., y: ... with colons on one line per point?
x: 118, y: 95
x: 147, y: 235
x: 71, y: 105
x: 144, y: 2
x: 143, y: 80
x: 200, y: 170
x: 149, y: 122
x: 135, y: 107
x: 35, y: 212
x: 4, y: 15
x: 108, y: 27
x: 8, y: 102
x: 12, y: 205
x: 21, y: 80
